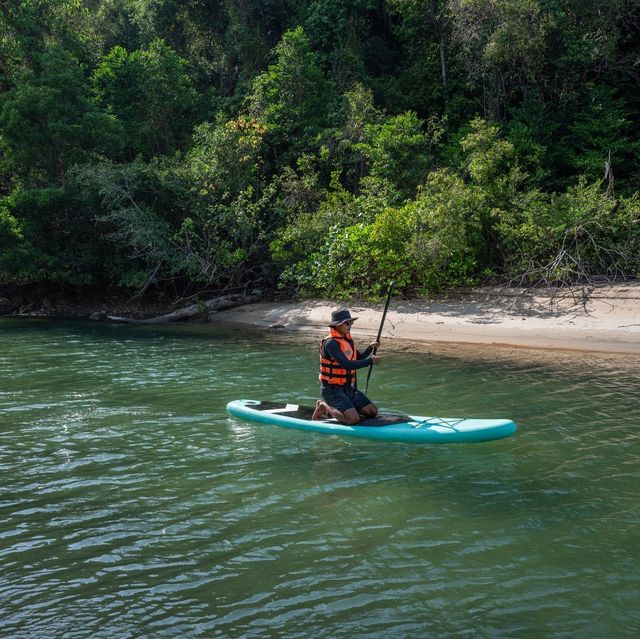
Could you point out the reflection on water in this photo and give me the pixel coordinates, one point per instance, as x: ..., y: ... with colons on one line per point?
x: 132, y: 505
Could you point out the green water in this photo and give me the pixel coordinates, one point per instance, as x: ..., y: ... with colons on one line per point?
x: 133, y: 506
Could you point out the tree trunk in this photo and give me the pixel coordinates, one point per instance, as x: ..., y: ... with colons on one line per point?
x: 443, y: 65
x: 216, y: 304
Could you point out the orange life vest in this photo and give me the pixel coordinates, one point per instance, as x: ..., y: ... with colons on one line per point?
x: 330, y: 371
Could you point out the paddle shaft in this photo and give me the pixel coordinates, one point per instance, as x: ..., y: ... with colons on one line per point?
x: 384, y: 316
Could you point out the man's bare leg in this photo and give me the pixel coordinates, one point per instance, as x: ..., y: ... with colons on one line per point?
x: 349, y: 417
x: 322, y: 409
x: 369, y: 411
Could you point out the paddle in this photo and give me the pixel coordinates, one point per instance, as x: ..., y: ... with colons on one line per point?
x: 384, y: 316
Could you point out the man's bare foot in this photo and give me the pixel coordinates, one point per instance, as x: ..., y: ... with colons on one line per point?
x: 321, y: 410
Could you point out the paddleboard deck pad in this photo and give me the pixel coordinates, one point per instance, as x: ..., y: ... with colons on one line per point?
x: 386, y: 427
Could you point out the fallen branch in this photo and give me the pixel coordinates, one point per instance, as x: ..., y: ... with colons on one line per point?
x: 202, y: 308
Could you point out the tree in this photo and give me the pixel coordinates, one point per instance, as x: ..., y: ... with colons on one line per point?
x: 600, y: 133
x: 432, y: 78
x: 226, y: 156
x: 346, y: 145
x: 49, y: 122
x: 291, y: 97
x: 254, y: 28
x: 353, y: 39
x: 513, y: 47
x: 225, y: 236
x: 30, y: 28
x: 151, y: 94
x: 399, y: 152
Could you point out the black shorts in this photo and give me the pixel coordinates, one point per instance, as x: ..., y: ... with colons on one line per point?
x: 344, y: 399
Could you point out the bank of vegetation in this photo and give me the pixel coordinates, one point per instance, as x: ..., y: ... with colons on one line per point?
x: 321, y: 147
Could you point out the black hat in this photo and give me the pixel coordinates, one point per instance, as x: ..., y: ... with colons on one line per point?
x: 341, y: 316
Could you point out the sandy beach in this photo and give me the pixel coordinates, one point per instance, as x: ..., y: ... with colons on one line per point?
x: 603, y: 318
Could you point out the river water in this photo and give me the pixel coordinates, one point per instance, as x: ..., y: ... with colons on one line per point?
x: 133, y: 506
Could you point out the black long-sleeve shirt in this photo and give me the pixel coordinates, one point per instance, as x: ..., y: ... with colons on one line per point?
x: 332, y: 350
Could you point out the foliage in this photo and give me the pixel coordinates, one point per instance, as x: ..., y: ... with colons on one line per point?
x: 48, y: 120
x: 47, y: 236
x: 290, y: 98
x: 325, y: 147
x: 574, y: 237
x: 220, y: 242
x: 461, y: 226
x: 226, y: 156
x: 349, y: 36
x: 15, y: 252
x: 134, y: 214
x: 399, y: 152
x: 599, y: 133
x: 296, y: 244
x: 151, y: 94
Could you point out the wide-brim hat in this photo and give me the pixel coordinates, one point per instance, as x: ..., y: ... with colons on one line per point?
x: 341, y: 316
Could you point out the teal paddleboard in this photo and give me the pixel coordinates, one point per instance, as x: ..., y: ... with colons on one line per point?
x: 387, y: 427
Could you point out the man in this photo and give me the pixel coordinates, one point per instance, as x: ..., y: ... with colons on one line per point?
x: 339, y: 360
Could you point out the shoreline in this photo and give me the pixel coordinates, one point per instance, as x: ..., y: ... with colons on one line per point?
x: 604, y: 319
x: 601, y: 318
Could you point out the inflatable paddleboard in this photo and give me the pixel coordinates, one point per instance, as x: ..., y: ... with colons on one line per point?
x: 389, y: 427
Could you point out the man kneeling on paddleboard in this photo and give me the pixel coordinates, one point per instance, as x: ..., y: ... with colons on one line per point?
x: 339, y: 360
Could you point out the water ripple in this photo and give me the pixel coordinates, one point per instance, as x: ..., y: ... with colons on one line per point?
x: 133, y: 506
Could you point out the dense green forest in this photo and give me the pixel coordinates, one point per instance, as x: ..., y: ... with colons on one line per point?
x: 321, y: 146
